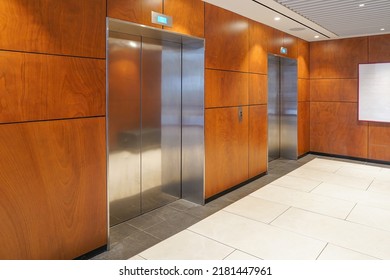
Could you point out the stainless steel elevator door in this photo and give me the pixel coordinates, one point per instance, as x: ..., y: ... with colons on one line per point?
x: 144, y: 135
x: 282, y: 108
x: 161, y: 123
x: 273, y: 108
x: 288, y: 108
x: 124, y: 122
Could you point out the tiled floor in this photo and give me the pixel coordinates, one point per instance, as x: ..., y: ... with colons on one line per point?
x: 313, y: 208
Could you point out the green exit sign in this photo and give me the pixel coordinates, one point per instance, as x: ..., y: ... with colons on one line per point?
x: 162, y: 19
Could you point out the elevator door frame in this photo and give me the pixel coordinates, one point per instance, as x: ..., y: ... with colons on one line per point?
x: 191, y: 120
x: 283, y: 114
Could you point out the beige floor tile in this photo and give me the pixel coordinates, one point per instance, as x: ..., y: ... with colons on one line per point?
x: 258, y: 239
x: 333, y: 252
x: 312, y: 174
x: 360, y: 171
x: 137, y: 258
x: 296, y: 183
x: 369, y: 198
x: 370, y: 216
x: 238, y: 255
x: 384, y: 174
x: 349, y: 181
x: 308, y: 201
x: 381, y: 186
x: 187, y: 245
x: 359, y: 238
x: 257, y: 209
x: 324, y: 165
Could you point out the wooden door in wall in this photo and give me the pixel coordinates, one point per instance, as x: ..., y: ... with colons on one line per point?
x: 226, y: 139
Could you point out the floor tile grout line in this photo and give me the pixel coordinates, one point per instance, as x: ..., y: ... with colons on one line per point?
x: 227, y: 245
x: 346, y: 218
x: 355, y: 251
x: 279, y: 215
x: 323, y: 249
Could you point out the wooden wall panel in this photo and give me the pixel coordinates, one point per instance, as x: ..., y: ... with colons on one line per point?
x: 291, y: 43
x: 258, y: 89
x: 227, y: 37
x: 137, y: 11
x: 338, y: 59
x: 303, y: 59
x: 334, y: 129
x: 379, y: 48
x: 226, y: 147
x: 52, y: 189
x: 379, y: 141
x: 70, y: 27
x: 259, y: 36
x: 337, y: 90
x: 303, y: 128
x: 42, y: 87
x: 303, y: 90
x: 225, y: 88
x: 275, y: 41
x: 188, y: 16
x: 258, y: 149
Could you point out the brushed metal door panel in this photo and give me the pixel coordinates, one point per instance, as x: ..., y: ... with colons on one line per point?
x: 289, y: 108
x: 124, y: 122
x: 161, y: 123
x: 273, y: 108
x: 193, y: 122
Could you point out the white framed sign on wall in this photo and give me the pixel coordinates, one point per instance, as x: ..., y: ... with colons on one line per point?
x: 374, y: 92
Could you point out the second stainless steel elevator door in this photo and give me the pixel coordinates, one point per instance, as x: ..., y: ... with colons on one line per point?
x: 282, y: 108
x: 273, y: 108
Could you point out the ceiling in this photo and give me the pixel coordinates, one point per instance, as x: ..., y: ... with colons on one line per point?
x: 314, y: 20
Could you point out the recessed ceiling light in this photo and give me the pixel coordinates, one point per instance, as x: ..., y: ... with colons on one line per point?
x: 382, y: 29
x: 277, y: 18
x: 362, y: 5
x: 316, y: 36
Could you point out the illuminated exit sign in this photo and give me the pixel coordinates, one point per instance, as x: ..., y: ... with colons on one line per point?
x: 162, y: 19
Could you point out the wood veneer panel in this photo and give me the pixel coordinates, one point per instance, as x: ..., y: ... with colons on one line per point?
x: 334, y: 129
x: 188, y: 16
x: 275, y: 41
x: 291, y: 43
x: 226, y: 147
x: 137, y: 11
x: 52, y: 189
x: 227, y: 37
x: 258, y: 89
x: 303, y: 59
x: 341, y: 90
x: 379, y: 141
x: 40, y: 87
x: 303, y: 128
x: 303, y: 89
x: 258, y: 45
x: 379, y: 48
x: 225, y: 88
x: 258, y: 149
x: 71, y: 27
x: 338, y: 58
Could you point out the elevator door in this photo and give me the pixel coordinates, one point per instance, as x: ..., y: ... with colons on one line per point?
x: 282, y: 108
x: 144, y: 106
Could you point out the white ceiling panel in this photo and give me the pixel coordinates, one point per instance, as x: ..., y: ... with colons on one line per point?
x: 314, y: 20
